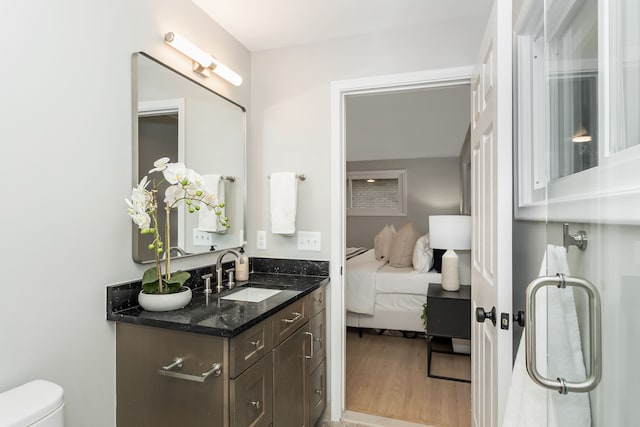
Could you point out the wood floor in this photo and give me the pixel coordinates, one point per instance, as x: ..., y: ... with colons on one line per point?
x: 387, y: 376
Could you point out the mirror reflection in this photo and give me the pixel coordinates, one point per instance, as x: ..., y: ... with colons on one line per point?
x: 178, y: 118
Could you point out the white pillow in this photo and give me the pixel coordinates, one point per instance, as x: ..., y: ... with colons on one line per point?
x: 402, y: 246
x: 422, y: 255
x: 382, y: 242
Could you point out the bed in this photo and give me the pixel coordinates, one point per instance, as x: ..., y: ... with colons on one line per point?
x: 383, y: 297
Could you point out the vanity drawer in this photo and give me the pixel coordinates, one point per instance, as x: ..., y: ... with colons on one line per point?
x: 317, y: 393
x: 186, y: 399
x: 316, y: 301
x: 288, y: 320
x: 251, y: 395
x: 248, y: 347
x: 317, y: 327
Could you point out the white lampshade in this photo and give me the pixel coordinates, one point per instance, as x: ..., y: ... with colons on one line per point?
x: 450, y: 232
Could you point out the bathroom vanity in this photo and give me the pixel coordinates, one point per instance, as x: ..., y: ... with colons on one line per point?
x: 222, y: 361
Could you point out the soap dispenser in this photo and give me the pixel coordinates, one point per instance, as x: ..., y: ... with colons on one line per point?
x: 242, y: 267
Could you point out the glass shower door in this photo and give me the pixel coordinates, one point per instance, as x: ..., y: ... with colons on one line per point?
x: 592, y: 202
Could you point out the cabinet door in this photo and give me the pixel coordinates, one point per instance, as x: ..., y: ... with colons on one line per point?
x: 147, y: 399
x: 317, y: 329
x: 317, y: 393
x: 251, y: 395
x: 290, y: 391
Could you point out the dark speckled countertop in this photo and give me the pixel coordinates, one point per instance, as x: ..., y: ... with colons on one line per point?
x: 209, y: 314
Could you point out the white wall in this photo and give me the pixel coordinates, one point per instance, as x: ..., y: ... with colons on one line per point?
x: 290, y: 117
x: 65, y: 128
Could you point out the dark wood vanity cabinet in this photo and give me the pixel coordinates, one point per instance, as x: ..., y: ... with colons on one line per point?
x: 299, y: 383
x: 274, y: 373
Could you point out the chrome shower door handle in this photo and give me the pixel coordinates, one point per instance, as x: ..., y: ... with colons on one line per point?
x: 594, y: 373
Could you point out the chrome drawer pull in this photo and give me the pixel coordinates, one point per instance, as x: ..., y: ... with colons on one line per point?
x: 311, y: 340
x: 595, y: 335
x: 296, y: 316
x: 256, y: 343
x: 168, y: 371
x: 256, y: 404
x: 318, y: 392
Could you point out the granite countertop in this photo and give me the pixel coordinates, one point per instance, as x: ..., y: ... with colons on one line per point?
x: 209, y: 314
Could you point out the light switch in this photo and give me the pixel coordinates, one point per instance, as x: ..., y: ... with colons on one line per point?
x: 309, y: 240
x: 261, y: 239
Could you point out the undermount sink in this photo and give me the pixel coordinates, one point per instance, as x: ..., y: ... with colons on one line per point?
x: 252, y: 294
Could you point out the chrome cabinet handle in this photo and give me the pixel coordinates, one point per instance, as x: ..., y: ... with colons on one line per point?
x: 595, y: 335
x: 256, y: 404
x: 256, y: 343
x: 311, y: 340
x: 169, y: 371
x: 296, y: 316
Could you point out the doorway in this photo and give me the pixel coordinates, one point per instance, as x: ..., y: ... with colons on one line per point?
x: 341, y: 90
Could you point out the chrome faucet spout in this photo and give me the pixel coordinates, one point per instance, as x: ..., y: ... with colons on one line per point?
x: 237, y: 256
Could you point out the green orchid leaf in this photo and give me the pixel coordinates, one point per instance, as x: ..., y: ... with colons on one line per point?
x: 179, y: 277
x: 150, y: 276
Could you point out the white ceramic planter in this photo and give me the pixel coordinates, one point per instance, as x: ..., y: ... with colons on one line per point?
x: 165, y: 302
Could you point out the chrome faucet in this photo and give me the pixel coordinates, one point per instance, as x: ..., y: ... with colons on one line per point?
x: 219, y: 268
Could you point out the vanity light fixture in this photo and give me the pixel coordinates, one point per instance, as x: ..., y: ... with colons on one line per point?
x: 203, y: 62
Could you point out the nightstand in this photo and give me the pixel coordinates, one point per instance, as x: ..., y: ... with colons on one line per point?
x: 448, y: 315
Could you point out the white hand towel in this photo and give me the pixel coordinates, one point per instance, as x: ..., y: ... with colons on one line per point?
x: 284, y: 200
x: 559, y: 353
x: 207, y: 218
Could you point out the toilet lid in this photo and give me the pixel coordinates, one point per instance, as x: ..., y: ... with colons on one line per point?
x: 28, y: 403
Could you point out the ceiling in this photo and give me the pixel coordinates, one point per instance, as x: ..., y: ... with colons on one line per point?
x: 410, y: 124
x: 271, y: 24
x: 431, y: 122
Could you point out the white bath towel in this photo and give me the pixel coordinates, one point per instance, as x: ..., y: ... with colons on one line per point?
x: 528, y: 404
x: 207, y: 218
x: 284, y: 200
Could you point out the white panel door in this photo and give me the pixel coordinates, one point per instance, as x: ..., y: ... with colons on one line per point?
x: 492, y: 214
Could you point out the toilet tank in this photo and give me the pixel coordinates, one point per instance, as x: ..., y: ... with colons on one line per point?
x: 38, y: 404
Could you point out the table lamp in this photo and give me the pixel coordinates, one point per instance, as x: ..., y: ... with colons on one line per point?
x: 450, y: 232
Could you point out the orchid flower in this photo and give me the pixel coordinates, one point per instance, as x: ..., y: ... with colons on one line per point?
x: 160, y: 165
x: 185, y: 184
x: 175, y: 173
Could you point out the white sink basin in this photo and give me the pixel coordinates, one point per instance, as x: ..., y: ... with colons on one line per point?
x: 252, y: 294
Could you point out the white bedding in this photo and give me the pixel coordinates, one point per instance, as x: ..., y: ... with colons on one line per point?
x: 360, y: 291
x: 393, y: 280
x: 372, y: 286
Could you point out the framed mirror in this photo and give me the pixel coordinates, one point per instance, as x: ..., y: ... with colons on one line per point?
x: 177, y: 117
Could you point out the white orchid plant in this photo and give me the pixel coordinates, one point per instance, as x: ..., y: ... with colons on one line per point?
x: 185, y: 186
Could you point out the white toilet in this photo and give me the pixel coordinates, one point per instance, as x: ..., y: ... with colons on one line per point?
x: 38, y: 404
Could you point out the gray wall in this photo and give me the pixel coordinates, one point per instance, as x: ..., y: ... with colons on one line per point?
x: 66, y: 132
x: 433, y: 188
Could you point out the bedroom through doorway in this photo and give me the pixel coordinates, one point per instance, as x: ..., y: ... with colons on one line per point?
x: 406, y: 158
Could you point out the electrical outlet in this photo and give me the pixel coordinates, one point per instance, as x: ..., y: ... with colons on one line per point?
x: 309, y: 241
x: 202, y: 238
x: 261, y: 239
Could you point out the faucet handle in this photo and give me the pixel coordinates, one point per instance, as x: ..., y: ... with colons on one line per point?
x: 230, y: 272
x: 207, y: 283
